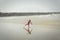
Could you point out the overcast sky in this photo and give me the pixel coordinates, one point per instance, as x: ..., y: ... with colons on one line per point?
x: 30, y: 5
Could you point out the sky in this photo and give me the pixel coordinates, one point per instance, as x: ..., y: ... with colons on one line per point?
x: 29, y: 5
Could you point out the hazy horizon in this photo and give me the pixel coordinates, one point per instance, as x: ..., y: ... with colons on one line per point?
x: 30, y: 5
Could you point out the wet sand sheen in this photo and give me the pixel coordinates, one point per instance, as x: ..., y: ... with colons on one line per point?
x: 44, y: 28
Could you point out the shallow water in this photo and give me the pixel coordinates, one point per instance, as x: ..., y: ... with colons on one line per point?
x: 44, y: 27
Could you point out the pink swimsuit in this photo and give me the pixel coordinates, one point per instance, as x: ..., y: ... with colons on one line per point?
x: 28, y: 22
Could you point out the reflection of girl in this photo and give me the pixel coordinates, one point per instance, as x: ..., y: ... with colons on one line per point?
x: 28, y: 30
x: 28, y: 24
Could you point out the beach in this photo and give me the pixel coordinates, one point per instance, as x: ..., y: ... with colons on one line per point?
x: 44, y: 27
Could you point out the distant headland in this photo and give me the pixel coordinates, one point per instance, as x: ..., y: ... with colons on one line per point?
x: 2, y: 14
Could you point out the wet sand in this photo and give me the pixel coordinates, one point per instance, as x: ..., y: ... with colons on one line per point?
x: 45, y: 27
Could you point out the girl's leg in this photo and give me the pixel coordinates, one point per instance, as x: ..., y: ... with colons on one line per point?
x: 28, y: 26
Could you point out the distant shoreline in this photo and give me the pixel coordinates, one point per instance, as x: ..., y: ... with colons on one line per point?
x: 25, y: 14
